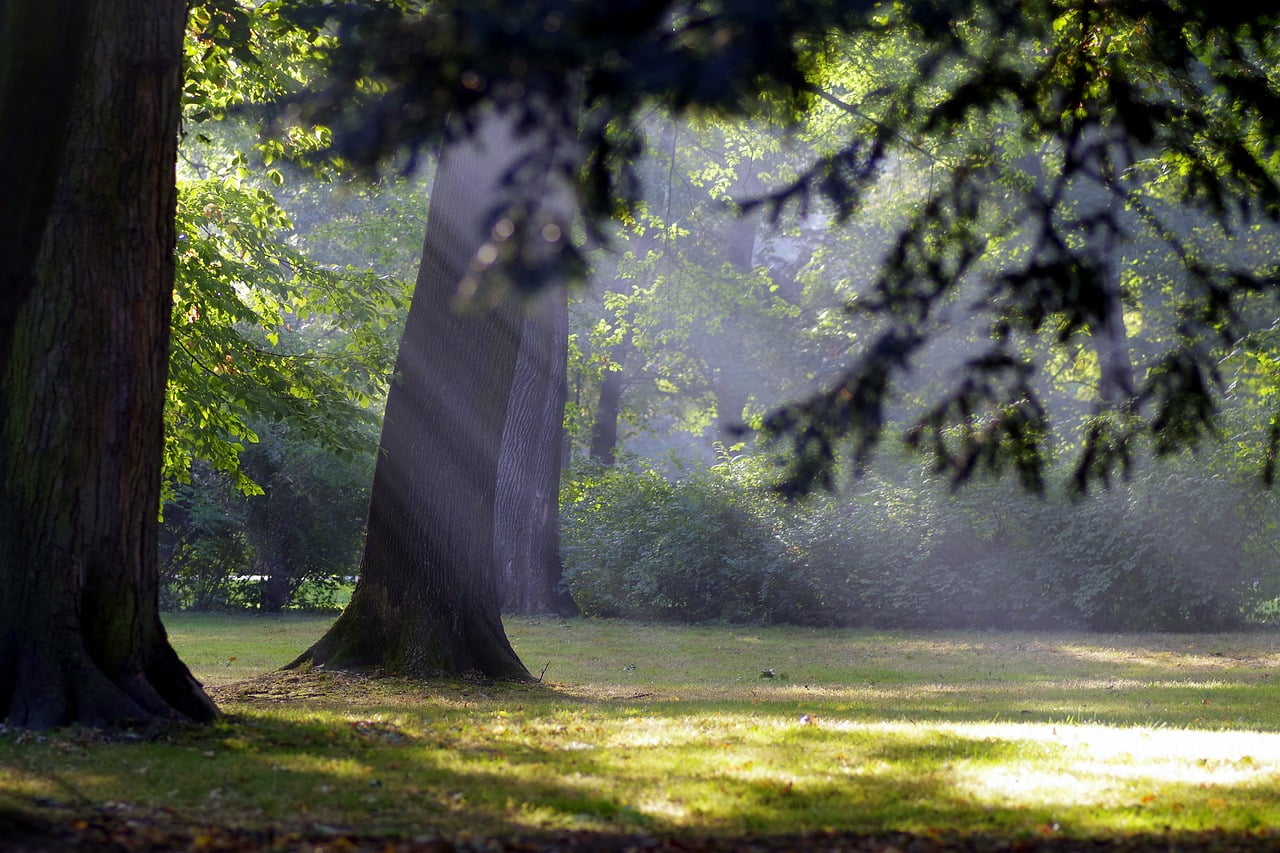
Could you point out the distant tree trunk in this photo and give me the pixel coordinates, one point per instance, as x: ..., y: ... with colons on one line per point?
x: 1109, y: 338
x: 271, y: 563
x: 604, y: 427
x: 527, y: 522
x: 266, y: 528
x: 83, y: 381
x: 740, y: 247
x: 426, y: 603
x: 733, y: 375
x: 604, y: 431
x: 731, y: 401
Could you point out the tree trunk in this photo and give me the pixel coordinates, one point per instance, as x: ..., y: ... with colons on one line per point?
x: 729, y: 388
x: 1107, y: 334
x: 527, y: 522
x: 426, y: 603
x: 266, y: 528
x: 84, y: 376
x: 272, y: 564
x: 604, y: 429
x: 42, y: 49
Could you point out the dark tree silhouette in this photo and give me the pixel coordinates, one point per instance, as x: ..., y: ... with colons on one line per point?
x: 85, y: 344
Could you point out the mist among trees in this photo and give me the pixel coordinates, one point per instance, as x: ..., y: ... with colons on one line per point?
x: 554, y: 424
x: 958, y: 265
x: 708, y: 379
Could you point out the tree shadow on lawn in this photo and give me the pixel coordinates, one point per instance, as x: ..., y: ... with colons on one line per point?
x: 316, y: 756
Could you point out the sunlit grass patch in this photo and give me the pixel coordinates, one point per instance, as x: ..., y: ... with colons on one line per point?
x: 660, y: 729
x: 222, y: 648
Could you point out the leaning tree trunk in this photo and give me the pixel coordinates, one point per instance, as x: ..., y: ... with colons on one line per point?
x: 527, y: 509
x: 426, y: 603
x: 81, y: 434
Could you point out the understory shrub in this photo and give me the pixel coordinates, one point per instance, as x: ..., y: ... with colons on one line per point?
x: 1183, y: 548
x: 291, y: 546
x: 701, y: 548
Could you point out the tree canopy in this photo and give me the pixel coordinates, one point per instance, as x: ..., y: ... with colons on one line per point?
x: 1124, y: 123
x: 1064, y: 132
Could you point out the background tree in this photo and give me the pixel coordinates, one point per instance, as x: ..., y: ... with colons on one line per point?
x: 527, y: 500
x: 427, y: 599
x: 284, y: 337
x: 306, y: 526
x: 293, y: 543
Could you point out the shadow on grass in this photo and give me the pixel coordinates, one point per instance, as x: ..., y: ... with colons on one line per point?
x: 328, y: 754
x: 378, y: 779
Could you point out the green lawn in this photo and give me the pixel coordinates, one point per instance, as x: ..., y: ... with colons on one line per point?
x: 222, y: 648
x: 674, y: 731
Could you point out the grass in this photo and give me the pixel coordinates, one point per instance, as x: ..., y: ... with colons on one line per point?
x: 673, y: 730
x: 222, y: 648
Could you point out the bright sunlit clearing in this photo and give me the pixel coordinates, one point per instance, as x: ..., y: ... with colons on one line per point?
x: 1097, y: 763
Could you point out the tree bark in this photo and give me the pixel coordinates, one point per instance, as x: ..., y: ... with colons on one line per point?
x: 1109, y: 338
x: 427, y: 601
x: 81, y: 430
x: 527, y: 520
x: 732, y: 373
x: 267, y: 525
x: 729, y: 388
x: 604, y: 430
x: 42, y: 49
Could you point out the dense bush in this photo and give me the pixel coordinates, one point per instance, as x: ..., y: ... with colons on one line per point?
x: 699, y: 548
x: 292, y: 546
x: 1184, y: 548
x: 203, y: 548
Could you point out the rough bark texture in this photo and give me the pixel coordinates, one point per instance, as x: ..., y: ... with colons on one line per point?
x: 426, y: 603
x: 81, y: 433
x: 42, y: 47
x: 527, y: 520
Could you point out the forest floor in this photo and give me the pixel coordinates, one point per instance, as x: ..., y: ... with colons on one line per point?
x: 652, y: 737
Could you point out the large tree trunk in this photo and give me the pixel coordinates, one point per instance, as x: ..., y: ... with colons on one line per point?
x: 81, y: 435
x: 42, y: 49
x: 426, y: 603
x: 527, y: 521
